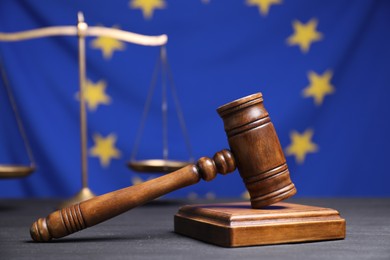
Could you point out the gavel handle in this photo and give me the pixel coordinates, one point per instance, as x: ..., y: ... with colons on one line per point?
x: 101, y: 208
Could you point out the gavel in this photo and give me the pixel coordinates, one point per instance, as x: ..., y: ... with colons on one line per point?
x: 254, y: 149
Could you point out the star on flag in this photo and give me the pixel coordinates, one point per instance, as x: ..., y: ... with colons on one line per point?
x: 135, y: 180
x: 245, y: 195
x: 95, y: 95
x: 301, y: 145
x: 105, y: 149
x: 263, y: 5
x: 305, y: 34
x: 107, y: 45
x: 319, y: 86
x: 147, y: 6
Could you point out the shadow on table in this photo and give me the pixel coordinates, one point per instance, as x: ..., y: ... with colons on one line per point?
x: 165, y: 203
x: 105, y: 239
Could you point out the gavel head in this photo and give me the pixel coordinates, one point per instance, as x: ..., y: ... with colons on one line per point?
x: 255, y: 145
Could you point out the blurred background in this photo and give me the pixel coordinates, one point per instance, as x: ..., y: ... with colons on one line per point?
x: 323, y: 68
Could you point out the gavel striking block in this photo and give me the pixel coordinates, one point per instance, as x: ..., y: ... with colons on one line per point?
x: 255, y: 150
x: 262, y: 166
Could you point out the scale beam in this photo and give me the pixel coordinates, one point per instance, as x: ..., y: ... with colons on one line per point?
x: 118, y: 34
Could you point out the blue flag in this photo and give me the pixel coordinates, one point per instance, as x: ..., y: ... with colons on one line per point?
x: 323, y: 68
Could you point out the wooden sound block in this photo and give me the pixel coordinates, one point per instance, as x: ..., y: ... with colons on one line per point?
x: 237, y: 224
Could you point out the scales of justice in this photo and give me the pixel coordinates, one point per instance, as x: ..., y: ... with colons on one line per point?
x: 254, y: 151
x: 82, y: 30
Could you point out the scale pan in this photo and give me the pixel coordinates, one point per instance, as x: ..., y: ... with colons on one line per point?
x: 156, y: 165
x: 15, y: 171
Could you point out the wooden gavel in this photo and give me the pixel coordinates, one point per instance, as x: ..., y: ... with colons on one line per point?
x: 255, y: 149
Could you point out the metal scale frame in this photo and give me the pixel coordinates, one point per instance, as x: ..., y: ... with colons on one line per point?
x: 16, y: 170
x: 82, y: 30
x: 165, y: 164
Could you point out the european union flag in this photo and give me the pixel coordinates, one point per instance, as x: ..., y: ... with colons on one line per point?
x: 322, y: 67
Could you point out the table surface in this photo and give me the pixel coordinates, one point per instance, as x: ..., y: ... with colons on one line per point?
x: 147, y: 233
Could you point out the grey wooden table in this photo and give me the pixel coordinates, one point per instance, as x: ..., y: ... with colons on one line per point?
x: 147, y: 233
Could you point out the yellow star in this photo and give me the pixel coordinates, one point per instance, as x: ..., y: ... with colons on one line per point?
x: 105, y: 149
x: 147, y: 6
x: 304, y: 34
x: 94, y: 94
x: 301, y: 144
x: 245, y: 195
x: 107, y: 45
x: 263, y: 5
x: 319, y: 86
x: 136, y: 180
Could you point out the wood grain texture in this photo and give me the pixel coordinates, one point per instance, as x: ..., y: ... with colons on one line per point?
x: 237, y: 224
x: 255, y: 150
x: 101, y: 208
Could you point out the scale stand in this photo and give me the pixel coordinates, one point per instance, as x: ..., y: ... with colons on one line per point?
x: 82, y: 30
x: 85, y: 193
